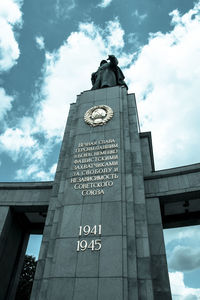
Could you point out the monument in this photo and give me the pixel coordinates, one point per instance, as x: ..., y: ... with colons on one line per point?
x: 108, y: 74
x: 103, y: 216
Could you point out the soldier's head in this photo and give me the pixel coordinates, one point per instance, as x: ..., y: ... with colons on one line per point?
x: 103, y: 62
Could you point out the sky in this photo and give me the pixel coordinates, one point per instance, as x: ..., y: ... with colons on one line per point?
x: 48, y: 50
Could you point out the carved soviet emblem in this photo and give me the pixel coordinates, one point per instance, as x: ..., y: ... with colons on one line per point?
x: 98, y: 115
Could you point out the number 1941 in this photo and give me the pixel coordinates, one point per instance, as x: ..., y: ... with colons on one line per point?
x: 87, y: 229
x: 94, y: 245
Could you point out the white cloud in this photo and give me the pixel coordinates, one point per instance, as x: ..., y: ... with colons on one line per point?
x: 115, y: 35
x: 184, y: 258
x: 49, y: 175
x: 52, y: 170
x: 17, y: 142
x: 36, y: 172
x: 165, y: 78
x: 179, y: 290
x: 140, y: 17
x: 5, y: 103
x: 26, y: 143
x: 182, y: 247
x: 10, y: 16
x: 132, y: 38
x: 191, y: 297
x: 166, y: 74
x: 40, y: 42
x: 63, y: 8
x: 67, y: 72
x: 104, y: 3
x: 177, y: 234
x: 21, y: 174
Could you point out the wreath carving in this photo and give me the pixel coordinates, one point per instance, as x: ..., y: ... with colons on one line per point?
x: 98, y: 115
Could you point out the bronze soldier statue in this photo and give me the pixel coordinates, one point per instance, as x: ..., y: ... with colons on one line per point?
x: 108, y: 74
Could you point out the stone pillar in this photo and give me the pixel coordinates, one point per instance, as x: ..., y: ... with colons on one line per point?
x: 96, y: 243
x: 13, y: 241
x: 157, y: 248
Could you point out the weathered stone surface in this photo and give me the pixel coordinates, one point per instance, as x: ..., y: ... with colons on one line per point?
x: 110, y: 289
x: 86, y: 289
x: 131, y: 263
x: 88, y: 264
x: 111, y: 257
x: 111, y: 218
x: 71, y: 220
x: 146, y: 290
x: 59, y: 288
x: 156, y: 239
x: 65, y: 258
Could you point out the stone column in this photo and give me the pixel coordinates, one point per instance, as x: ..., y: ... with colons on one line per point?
x: 96, y: 239
x: 13, y: 242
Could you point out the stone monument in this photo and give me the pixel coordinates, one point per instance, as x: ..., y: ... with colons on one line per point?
x: 98, y: 244
x: 102, y: 217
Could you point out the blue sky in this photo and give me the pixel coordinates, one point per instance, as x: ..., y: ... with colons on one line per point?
x: 48, y: 50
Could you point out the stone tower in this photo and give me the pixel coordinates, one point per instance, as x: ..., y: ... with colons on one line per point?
x: 103, y: 237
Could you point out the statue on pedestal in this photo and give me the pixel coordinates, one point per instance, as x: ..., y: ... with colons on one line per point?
x: 108, y: 74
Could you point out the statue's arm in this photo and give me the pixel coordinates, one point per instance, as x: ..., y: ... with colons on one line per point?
x: 93, y: 77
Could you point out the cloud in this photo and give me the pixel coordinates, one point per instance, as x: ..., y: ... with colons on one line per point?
x: 132, y: 38
x: 35, y: 173
x: 49, y: 175
x: 115, y: 36
x: 165, y: 78
x: 179, y: 290
x: 104, y: 3
x: 40, y: 42
x: 10, y: 17
x: 5, y: 103
x: 139, y: 17
x: 191, y: 297
x: 10, y: 21
x: 17, y: 142
x: 184, y: 259
x: 63, y: 8
x: 182, y: 248
x: 181, y: 233
x: 20, y: 142
x: 67, y: 72
x: 25, y: 143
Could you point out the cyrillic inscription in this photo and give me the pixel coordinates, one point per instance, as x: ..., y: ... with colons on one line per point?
x: 95, y: 166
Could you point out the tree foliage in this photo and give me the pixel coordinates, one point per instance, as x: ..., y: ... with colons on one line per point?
x: 26, y: 278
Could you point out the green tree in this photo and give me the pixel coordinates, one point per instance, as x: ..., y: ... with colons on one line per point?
x: 26, y: 278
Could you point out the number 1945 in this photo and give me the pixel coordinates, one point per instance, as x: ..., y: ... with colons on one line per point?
x: 94, y: 245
